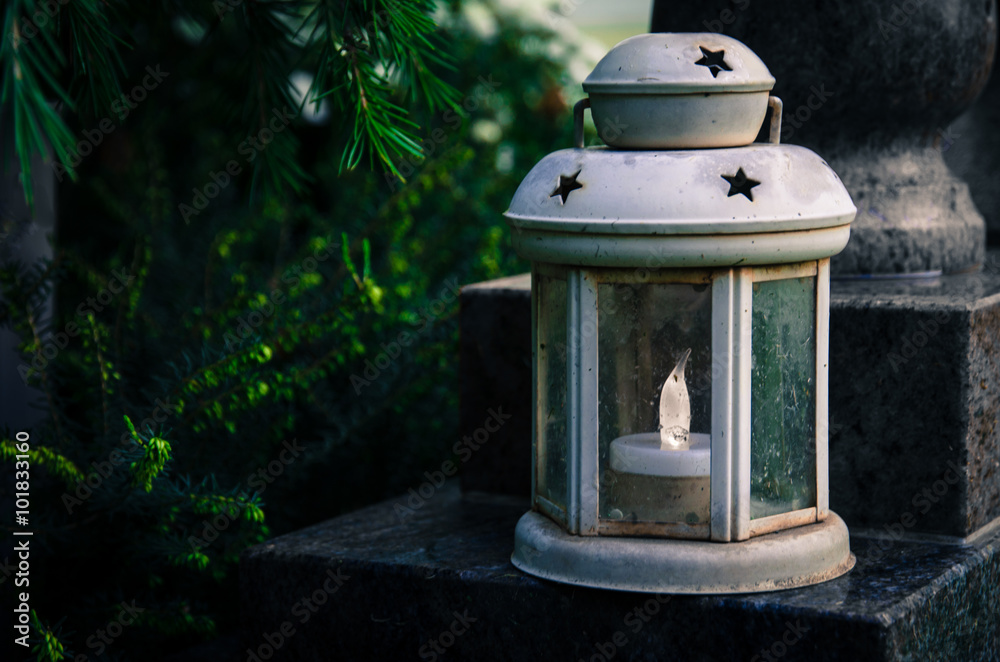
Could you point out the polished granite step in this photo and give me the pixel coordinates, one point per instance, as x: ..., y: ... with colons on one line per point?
x: 432, y: 580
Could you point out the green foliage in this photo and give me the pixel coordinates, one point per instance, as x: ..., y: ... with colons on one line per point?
x: 217, y: 358
x: 49, y: 648
x: 361, y: 52
x: 34, y: 69
x: 154, y: 458
x: 51, y: 461
x: 366, y: 48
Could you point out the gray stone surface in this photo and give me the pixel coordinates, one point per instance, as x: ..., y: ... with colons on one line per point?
x: 914, y: 390
x: 914, y: 400
x: 872, y: 87
x: 913, y: 214
x: 495, y: 371
x: 443, y: 577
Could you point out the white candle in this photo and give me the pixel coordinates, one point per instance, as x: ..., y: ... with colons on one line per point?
x: 641, y: 454
x: 672, y: 450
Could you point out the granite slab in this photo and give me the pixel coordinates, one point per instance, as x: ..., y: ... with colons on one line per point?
x: 436, y: 583
x: 495, y: 371
x: 914, y: 402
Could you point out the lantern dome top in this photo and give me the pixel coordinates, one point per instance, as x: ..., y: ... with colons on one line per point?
x: 679, y: 91
x: 679, y: 63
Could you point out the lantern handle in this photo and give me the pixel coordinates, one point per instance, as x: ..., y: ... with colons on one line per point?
x: 578, y: 109
x: 775, y: 104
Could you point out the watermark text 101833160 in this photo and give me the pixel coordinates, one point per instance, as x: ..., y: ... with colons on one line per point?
x: 22, y: 544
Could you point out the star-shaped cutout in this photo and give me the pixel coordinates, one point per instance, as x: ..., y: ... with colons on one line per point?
x: 714, y: 60
x: 740, y: 183
x: 566, y: 184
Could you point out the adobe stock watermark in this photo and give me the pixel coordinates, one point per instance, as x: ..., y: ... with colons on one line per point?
x: 102, y: 639
x: 792, y: 635
x: 633, y: 623
x: 464, y: 448
x: 247, y: 324
x: 981, y: 282
x: 440, y: 644
x: 560, y: 17
x: 303, y: 610
x: 922, y: 501
x: 223, y: 7
x: 726, y: 17
x: 259, y: 481
x: 945, y: 138
x: 438, y: 137
x: 394, y: 348
x: 253, y: 145
x: 26, y: 28
x: 104, y: 469
x: 122, y: 106
x: 917, y: 340
x: 790, y: 121
x: 898, y: 17
x: 58, y: 341
x: 611, y: 130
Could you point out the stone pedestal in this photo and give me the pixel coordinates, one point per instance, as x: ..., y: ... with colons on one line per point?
x: 914, y: 403
x: 493, y: 375
x: 872, y: 87
x: 914, y: 215
x: 440, y: 586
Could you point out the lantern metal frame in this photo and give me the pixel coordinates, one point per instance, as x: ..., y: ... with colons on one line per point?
x: 732, y: 311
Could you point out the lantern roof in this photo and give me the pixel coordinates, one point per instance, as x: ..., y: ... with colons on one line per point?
x: 679, y: 63
x: 758, y: 188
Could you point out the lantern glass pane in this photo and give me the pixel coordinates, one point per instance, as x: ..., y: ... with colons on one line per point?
x: 783, y: 397
x: 550, y: 419
x: 647, y: 475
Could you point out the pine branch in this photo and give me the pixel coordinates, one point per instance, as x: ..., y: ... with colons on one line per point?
x: 381, y: 128
x: 268, y: 26
x: 371, y: 55
x: 366, y: 50
x: 56, y: 464
x: 410, y: 42
x: 31, y: 62
x: 95, y: 58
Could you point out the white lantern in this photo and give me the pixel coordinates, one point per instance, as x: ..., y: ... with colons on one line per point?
x: 680, y: 298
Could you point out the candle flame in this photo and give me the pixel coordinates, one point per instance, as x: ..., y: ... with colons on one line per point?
x: 675, y: 409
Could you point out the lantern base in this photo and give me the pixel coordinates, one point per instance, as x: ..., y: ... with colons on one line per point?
x: 792, y: 558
